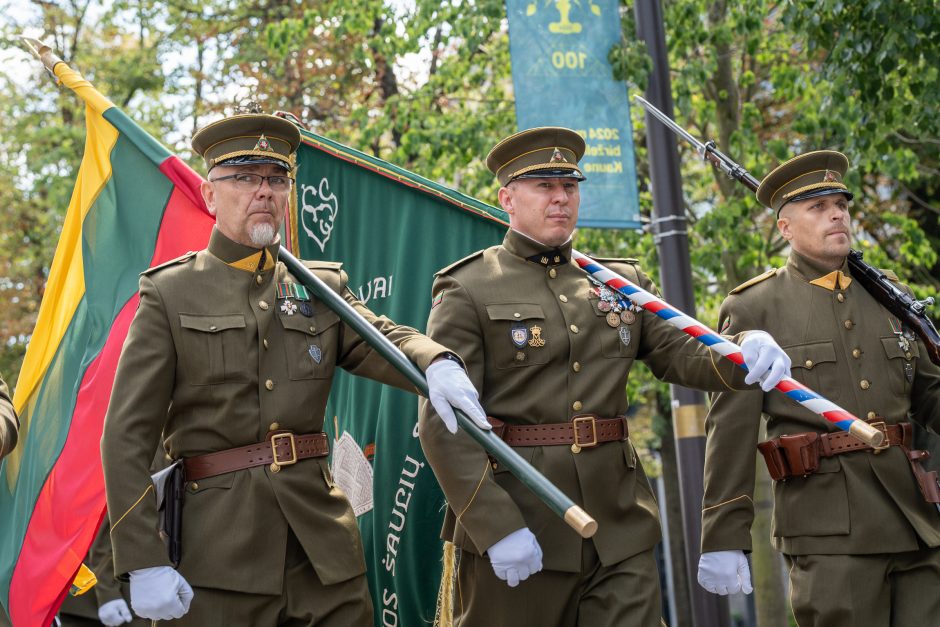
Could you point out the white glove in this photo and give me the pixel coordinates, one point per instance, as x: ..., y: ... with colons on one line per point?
x: 765, y: 360
x: 724, y: 572
x: 516, y: 556
x: 448, y: 387
x: 159, y: 593
x: 114, y: 613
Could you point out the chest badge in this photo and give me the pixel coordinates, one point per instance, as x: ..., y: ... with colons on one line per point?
x: 624, y: 335
x: 536, y: 341
x: 305, y: 308
x: 315, y: 353
x: 288, y: 307
x: 519, y: 335
x: 613, y: 319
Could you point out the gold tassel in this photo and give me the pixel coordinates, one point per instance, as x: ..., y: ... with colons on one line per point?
x: 444, y: 614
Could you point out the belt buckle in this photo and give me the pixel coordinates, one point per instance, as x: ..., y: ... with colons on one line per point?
x: 278, y: 463
x: 886, y: 444
x: 578, y: 444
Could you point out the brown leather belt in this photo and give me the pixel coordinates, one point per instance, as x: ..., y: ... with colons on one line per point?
x: 281, y: 448
x: 844, y: 442
x: 584, y: 431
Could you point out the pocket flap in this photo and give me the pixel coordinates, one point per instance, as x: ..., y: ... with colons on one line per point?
x: 894, y: 351
x: 808, y: 355
x: 514, y: 311
x: 212, y: 323
x: 314, y: 325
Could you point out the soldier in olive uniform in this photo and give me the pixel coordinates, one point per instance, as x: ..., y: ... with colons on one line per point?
x: 229, y: 362
x: 9, y: 424
x: 855, y: 529
x: 550, y: 352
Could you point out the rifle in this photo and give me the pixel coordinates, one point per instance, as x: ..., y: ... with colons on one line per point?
x: 911, y: 312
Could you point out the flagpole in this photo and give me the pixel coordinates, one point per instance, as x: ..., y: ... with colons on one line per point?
x: 555, y: 499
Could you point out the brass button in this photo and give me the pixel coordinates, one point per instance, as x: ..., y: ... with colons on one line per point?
x: 848, y: 324
x: 265, y: 342
x: 864, y: 384
x: 563, y: 298
x: 907, y: 355
x: 840, y: 297
x: 212, y: 327
x: 274, y: 426
x: 576, y: 366
x: 313, y: 329
x: 872, y: 415
x: 263, y: 304
x: 269, y: 384
x: 275, y: 467
x: 574, y: 328
x: 520, y: 356
x: 193, y: 486
x: 552, y: 273
x: 576, y: 405
x: 517, y: 315
x: 809, y: 363
x: 856, y: 353
x: 495, y: 465
x: 259, y: 280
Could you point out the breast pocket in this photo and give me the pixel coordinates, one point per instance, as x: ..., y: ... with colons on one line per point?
x: 517, y: 335
x: 310, y: 345
x: 811, y: 361
x: 212, y: 348
x: 619, y: 342
x: 901, y: 364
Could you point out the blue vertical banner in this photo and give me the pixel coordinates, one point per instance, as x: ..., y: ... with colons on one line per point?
x: 561, y: 77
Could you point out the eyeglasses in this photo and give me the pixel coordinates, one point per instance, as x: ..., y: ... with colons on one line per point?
x: 252, y: 182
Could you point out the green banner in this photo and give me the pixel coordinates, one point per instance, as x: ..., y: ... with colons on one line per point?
x: 561, y: 77
x: 392, y: 230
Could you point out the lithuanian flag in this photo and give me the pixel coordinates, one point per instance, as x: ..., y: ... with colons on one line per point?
x: 134, y: 206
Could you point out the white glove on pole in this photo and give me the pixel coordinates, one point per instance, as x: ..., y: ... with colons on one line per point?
x: 765, y: 360
x: 159, y: 593
x: 449, y: 386
x: 724, y: 572
x: 114, y: 613
x: 516, y: 556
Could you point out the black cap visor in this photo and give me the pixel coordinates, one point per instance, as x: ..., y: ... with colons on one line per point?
x: 254, y: 160
x: 815, y: 194
x: 560, y: 173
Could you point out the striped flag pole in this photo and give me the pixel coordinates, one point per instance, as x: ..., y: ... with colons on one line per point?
x: 806, y: 397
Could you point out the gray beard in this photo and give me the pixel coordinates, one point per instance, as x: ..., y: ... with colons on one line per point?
x: 262, y: 235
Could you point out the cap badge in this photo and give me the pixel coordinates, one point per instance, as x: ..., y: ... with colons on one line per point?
x: 830, y: 177
x: 557, y: 156
x: 263, y: 143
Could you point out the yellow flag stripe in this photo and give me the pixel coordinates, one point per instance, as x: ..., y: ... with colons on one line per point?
x: 66, y: 285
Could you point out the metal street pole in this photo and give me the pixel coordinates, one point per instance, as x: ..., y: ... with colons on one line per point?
x: 669, y: 228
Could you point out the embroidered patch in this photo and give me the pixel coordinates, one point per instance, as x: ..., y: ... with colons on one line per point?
x: 726, y: 325
x: 519, y: 334
x: 437, y: 300
x: 315, y: 353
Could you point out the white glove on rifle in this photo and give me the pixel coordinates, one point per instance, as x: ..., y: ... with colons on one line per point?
x: 765, y: 360
x: 724, y: 572
x: 159, y: 593
x: 114, y: 613
x: 516, y: 556
x: 449, y: 386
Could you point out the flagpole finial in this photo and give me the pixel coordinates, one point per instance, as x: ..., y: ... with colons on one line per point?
x: 44, y: 52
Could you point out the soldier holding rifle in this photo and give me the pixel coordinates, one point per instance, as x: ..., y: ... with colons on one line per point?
x: 550, y: 351
x: 229, y: 363
x: 858, y: 527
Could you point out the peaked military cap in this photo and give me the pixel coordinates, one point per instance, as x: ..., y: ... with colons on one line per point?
x: 248, y: 138
x: 543, y: 152
x: 817, y: 173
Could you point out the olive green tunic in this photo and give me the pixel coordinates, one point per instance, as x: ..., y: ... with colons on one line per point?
x: 843, y: 345
x: 582, y: 367
x: 9, y: 425
x: 211, y: 362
